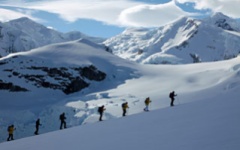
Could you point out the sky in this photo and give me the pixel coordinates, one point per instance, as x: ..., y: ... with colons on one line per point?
x: 107, y: 18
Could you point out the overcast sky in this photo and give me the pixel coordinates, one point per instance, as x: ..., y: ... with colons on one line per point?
x: 106, y: 18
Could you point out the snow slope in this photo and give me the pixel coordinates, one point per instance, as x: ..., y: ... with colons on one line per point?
x: 185, y: 41
x: 210, y: 124
x: 202, y: 83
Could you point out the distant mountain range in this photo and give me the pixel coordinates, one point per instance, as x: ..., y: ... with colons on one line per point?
x: 24, y: 34
x: 184, y: 41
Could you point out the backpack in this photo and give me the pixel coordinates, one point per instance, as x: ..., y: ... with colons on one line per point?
x: 99, y: 109
x: 123, y: 104
x: 147, y: 100
x: 170, y: 95
x: 61, y: 117
x: 9, y: 128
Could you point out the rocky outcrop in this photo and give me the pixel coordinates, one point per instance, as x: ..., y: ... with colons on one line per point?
x: 222, y: 23
x: 11, y: 87
x: 68, y: 80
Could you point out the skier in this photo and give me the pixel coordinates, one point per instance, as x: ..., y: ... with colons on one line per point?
x: 125, y: 107
x: 172, y: 96
x: 101, y: 110
x: 147, y: 102
x: 63, y: 122
x: 10, y: 132
x: 37, y: 126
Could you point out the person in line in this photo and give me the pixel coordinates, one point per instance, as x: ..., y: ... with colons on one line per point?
x: 147, y: 102
x: 63, y: 122
x: 10, y: 132
x: 37, y: 126
x: 124, y: 108
x: 101, y: 110
x: 172, y: 96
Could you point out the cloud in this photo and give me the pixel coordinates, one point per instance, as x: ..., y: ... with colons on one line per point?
x: 6, y: 15
x: 106, y: 11
x: 118, y: 12
x: 227, y: 7
x: 151, y: 15
x: 113, y: 12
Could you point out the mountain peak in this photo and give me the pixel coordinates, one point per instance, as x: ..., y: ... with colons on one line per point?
x: 26, y: 24
x: 223, y: 21
x: 219, y: 15
x: 139, y: 29
x: 22, y: 20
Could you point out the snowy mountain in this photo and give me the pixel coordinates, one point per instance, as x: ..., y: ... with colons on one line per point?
x: 83, y: 76
x: 66, y: 67
x: 24, y: 34
x: 184, y: 41
x: 36, y: 82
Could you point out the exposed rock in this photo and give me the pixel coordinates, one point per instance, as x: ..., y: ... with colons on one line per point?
x: 68, y: 80
x: 11, y: 87
x: 75, y: 86
x: 92, y: 73
x: 222, y: 23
